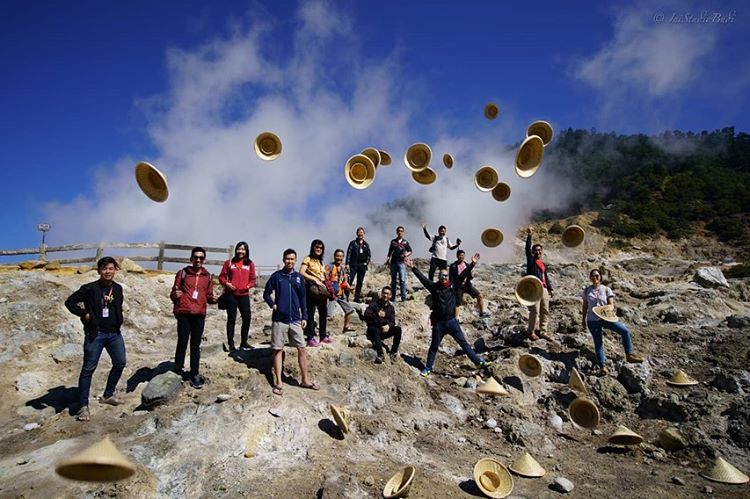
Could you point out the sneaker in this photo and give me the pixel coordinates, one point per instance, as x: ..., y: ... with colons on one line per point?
x: 245, y: 346
x: 484, y: 363
x: 425, y: 372
x: 327, y: 340
x: 83, y: 414
x: 231, y: 348
x: 111, y: 400
x: 633, y: 358
x: 197, y: 381
x: 313, y: 342
x: 379, y: 360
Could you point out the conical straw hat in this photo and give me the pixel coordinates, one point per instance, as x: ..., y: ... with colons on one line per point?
x: 725, y: 473
x: 493, y: 478
x: 606, y: 312
x: 573, y: 236
x: 268, y: 146
x: 485, y: 179
x: 492, y: 237
x: 492, y: 387
x: 576, y: 382
x: 398, y: 485
x: 448, y: 160
x: 625, y: 436
x: 527, y: 466
x: 418, y: 157
x: 584, y: 413
x: 424, y: 177
x: 501, y: 192
x: 385, y: 158
x: 529, y: 290
x: 530, y: 365
x: 491, y: 111
x: 541, y: 129
x: 373, y: 154
x: 152, y: 182
x: 359, y: 171
x: 101, y: 462
x: 529, y: 156
x: 681, y: 379
x: 341, y: 418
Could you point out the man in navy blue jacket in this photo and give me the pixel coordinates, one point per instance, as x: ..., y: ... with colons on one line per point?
x: 289, y: 307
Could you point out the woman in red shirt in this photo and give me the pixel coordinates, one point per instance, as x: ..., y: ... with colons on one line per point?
x: 238, y: 278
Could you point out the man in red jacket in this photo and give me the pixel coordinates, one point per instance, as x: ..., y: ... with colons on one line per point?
x: 191, y: 292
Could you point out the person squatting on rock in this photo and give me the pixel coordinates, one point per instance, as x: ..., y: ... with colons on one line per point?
x: 238, y: 278
x: 313, y: 270
x: 536, y: 267
x: 439, y: 249
x: 398, y: 251
x: 464, y: 285
x: 285, y: 294
x: 338, y: 286
x: 443, y: 316
x: 380, y: 317
x: 191, y: 292
x: 597, y: 295
x: 99, y: 305
x: 357, y: 260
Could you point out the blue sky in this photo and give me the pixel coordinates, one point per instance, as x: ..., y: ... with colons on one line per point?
x: 89, y: 88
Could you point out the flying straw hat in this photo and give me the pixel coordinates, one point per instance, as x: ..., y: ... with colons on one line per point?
x: 485, y: 179
x: 398, y: 485
x: 359, y: 171
x: 101, y: 462
x: 424, y: 177
x: 573, y: 236
x: 527, y: 466
x: 625, y: 436
x: 576, y: 382
x: 341, y: 416
x: 530, y: 365
x: 417, y: 157
x: 492, y: 387
x: 725, y: 473
x: 681, y: 379
x: 584, y: 413
x: 606, y: 312
x: 448, y: 160
x: 493, y: 478
x: 385, y: 158
x: 501, y: 191
x: 373, y: 154
x: 268, y: 146
x: 541, y: 129
x: 492, y: 237
x: 529, y: 156
x: 152, y: 182
x: 491, y: 111
x: 529, y: 290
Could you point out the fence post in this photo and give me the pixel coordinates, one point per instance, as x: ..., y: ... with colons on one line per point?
x: 230, y: 252
x: 99, y: 252
x: 43, y: 252
x: 160, y: 261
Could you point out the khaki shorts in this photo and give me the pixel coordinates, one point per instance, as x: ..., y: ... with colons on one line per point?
x: 281, y: 331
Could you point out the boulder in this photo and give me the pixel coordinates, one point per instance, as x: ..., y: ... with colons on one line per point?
x: 161, y: 389
x: 53, y: 265
x: 32, y: 264
x: 671, y: 440
x: 661, y: 407
x: 726, y: 383
x: 31, y: 383
x: 738, y: 428
x: 129, y: 265
x: 611, y: 394
x: 738, y: 321
x: 710, y: 277
x: 345, y: 359
x: 635, y: 377
x: 562, y: 485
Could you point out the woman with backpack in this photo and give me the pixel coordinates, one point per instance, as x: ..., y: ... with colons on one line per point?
x: 238, y: 278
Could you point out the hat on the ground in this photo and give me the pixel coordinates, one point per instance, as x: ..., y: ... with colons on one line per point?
x: 491, y: 111
x: 424, y: 177
x: 529, y: 156
x: 584, y: 413
x: 152, y: 182
x: 385, y: 158
x: 724, y: 472
x: 625, y: 436
x: 485, y: 179
x: 530, y: 365
x: 418, y: 156
x: 606, y: 312
x: 341, y: 416
x: 101, y: 462
x: 501, y: 191
x: 373, y: 154
x: 541, y: 129
x: 448, y: 160
x: 493, y: 478
x: 529, y: 290
x: 359, y: 171
x: 576, y: 382
x: 268, y: 146
x: 573, y: 236
x: 681, y: 379
x: 492, y: 387
x: 492, y: 237
x: 398, y: 485
x: 527, y: 466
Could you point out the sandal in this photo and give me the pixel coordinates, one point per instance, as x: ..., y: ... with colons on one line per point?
x: 311, y: 386
x: 83, y: 414
x: 533, y: 337
x: 545, y: 336
x: 278, y: 390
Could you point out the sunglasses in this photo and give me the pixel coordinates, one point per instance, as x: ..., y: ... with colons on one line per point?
x: 196, y: 257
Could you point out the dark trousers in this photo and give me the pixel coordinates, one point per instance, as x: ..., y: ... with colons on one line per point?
x: 92, y: 351
x: 359, y: 272
x: 233, y: 303
x: 436, y: 263
x: 322, y: 308
x: 189, y: 329
x: 376, y: 335
x: 453, y: 328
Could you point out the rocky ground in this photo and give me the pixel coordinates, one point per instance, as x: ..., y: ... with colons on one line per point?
x: 223, y: 440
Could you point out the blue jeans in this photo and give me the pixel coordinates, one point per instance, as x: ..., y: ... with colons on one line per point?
x: 453, y: 328
x: 398, y: 269
x: 596, y: 332
x: 92, y: 351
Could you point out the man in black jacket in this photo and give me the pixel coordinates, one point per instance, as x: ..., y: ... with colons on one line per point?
x: 443, y: 315
x: 357, y: 260
x: 380, y: 317
x: 536, y: 267
x: 99, y: 305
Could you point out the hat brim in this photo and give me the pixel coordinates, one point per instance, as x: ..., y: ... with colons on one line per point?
x: 529, y: 290
x: 417, y: 157
x: 266, y: 153
x: 529, y: 156
x: 492, y: 237
x: 152, y: 182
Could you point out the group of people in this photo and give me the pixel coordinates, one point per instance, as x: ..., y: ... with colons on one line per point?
x: 295, y: 296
